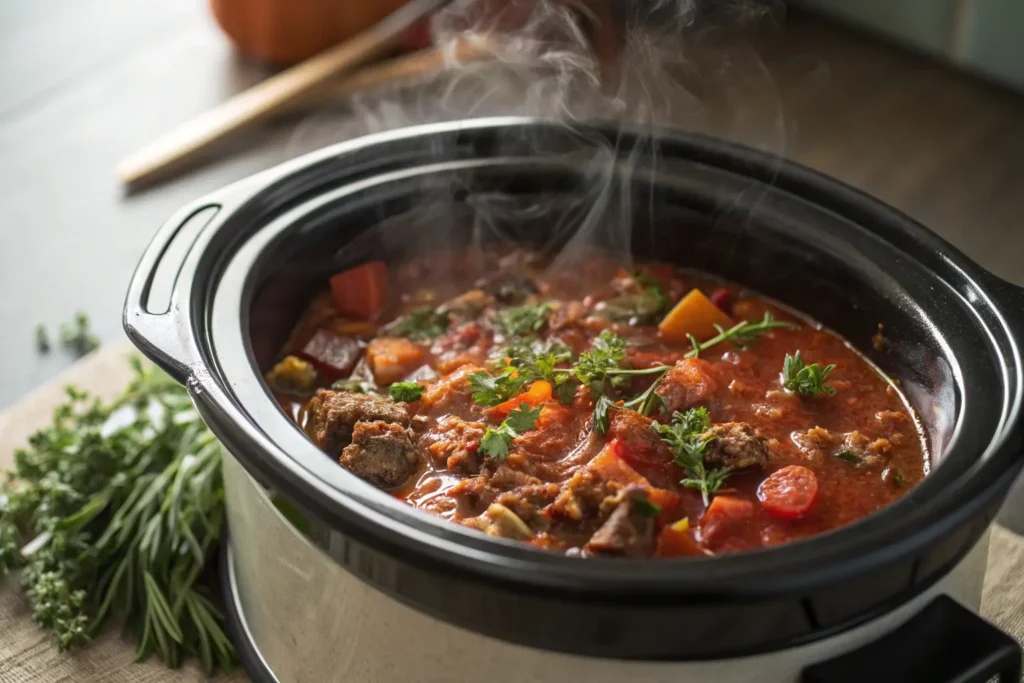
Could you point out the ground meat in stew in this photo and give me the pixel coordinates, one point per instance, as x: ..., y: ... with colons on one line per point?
x: 585, y: 410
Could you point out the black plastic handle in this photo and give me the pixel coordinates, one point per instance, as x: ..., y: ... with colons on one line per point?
x: 944, y: 643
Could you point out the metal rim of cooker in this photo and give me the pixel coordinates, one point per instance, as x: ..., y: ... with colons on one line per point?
x: 409, y: 554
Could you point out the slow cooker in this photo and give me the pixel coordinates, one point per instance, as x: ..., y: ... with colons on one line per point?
x: 329, y: 578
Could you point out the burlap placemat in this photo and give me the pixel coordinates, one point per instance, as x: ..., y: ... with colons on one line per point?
x: 27, y: 655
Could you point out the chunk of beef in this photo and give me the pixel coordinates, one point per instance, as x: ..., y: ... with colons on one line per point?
x: 454, y: 443
x: 735, y: 445
x: 629, y: 530
x: 581, y: 496
x: 381, y: 453
x: 687, y: 384
x: 332, y: 415
x: 522, y: 493
x: 634, y: 432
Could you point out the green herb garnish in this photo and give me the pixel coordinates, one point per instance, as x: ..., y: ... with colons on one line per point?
x: 515, y: 322
x: 601, y: 408
x: 497, y: 441
x: 118, y: 509
x: 77, y: 336
x: 406, y: 391
x: 848, y: 456
x: 644, y: 308
x: 490, y: 390
x: 685, y: 434
x: 806, y: 380
x: 740, y: 334
x: 421, y: 324
x: 646, y: 507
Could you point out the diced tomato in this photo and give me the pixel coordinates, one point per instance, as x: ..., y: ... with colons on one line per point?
x: 678, y: 542
x: 722, y: 298
x: 392, y: 358
x: 361, y: 291
x: 789, y: 493
x: 538, y: 393
x: 332, y: 354
x: 725, y: 515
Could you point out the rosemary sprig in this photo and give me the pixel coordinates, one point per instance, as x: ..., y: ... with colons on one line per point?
x: 118, y: 509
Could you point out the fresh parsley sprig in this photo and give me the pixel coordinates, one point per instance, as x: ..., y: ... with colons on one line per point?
x: 686, y: 435
x: 525, y: 319
x: 497, y: 441
x: 421, y: 324
x: 806, y: 380
x: 406, y: 391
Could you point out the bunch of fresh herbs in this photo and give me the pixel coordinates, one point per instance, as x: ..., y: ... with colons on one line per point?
x: 117, y: 510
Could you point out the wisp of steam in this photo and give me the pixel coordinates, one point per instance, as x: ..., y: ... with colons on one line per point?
x: 634, y: 64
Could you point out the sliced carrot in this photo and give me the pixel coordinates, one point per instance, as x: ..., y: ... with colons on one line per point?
x: 693, y: 315
x: 361, y: 292
x: 392, y: 358
x: 538, y: 393
x: 554, y: 414
x: 789, y: 493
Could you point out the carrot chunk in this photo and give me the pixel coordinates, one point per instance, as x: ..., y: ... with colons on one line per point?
x: 693, y: 315
x: 538, y: 393
x: 392, y: 358
x: 361, y: 292
x: 723, y: 517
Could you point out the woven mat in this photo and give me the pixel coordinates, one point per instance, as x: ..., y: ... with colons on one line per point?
x: 28, y: 656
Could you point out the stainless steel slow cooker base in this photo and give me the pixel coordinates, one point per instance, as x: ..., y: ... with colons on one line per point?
x: 302, y: 618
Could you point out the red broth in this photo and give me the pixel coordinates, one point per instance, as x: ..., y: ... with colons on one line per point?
x: 791, y: 464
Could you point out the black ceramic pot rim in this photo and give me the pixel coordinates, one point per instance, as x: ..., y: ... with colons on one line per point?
x: 183, y: 344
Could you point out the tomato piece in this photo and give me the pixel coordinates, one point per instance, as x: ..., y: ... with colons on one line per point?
x: 538, y: 393
x: 725, y: 515
x: 611, y: 464
x: 332, y: 354
x: 789, y: 493
x: 361, y: 291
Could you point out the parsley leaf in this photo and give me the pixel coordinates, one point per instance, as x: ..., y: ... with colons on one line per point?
x: 523, y: 419
x: 601, y: 408
x: 685, y: 434
x: 644, y: 308
x: 806, y: 380
x: 406, y: 391
x: 515, y: 322
x: 531, y: 361
x: 497, y: 441
x: 490, y: 390
x: 421, y: 324
x: 355, y: 386
x: 646, y: 507
x: 599, y: 364
x: 848, y: 456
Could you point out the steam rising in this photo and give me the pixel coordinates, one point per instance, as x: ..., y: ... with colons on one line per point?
x: 688, y: 64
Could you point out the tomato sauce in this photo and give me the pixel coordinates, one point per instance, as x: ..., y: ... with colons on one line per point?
x: 798, y: 454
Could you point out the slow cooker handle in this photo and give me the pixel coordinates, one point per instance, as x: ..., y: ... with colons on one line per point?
x: 944, y: 643
x: 156, y: 318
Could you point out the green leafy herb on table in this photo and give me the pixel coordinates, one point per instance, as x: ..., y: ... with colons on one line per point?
x: 497, y: 441
x: 77, y: 337
x: 806, y: 380
x: 117, y: 509
x: 406, y: 391
x: 42, y: 339
x: 685, y: 434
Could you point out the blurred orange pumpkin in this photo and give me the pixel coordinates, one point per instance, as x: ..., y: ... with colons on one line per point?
x: 286, y: 31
